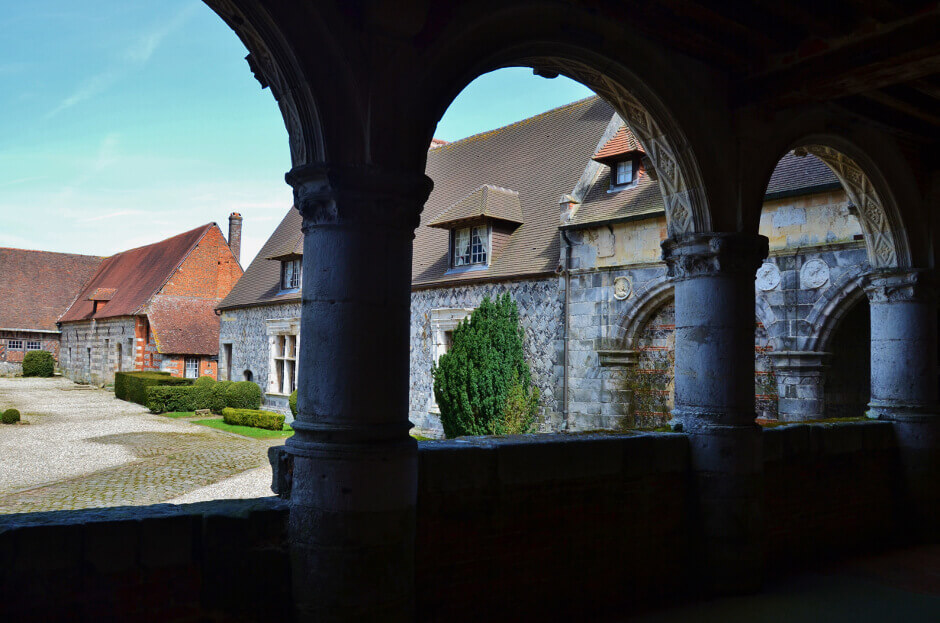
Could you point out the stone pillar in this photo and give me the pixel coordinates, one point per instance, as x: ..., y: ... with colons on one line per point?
x: 904, y: 383
x: 352, y: 518
x: 714, y: 399
x: 801, y: 384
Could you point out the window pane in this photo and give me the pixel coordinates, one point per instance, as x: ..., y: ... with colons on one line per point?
x: 461, y: 247
x: 624, y: 172
x: 15, y: 344
x: 295, y: 274
x: 478, y: 246
x: 33, y: 345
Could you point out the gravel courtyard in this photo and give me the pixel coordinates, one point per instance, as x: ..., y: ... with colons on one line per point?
x: 84, y: 448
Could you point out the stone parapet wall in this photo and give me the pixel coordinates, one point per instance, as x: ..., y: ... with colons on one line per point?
x: 541, y: 315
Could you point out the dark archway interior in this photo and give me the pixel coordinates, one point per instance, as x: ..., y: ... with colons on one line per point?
x: 848, y: 379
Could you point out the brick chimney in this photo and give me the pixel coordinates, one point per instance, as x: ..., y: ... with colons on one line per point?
x: 235, y: 235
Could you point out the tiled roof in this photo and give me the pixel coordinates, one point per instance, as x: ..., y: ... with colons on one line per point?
x: 102, y: 294
x: 486, y: 201
x: 293, y: 247
x: 793, y: 174
x: 798, y: 172
x: 135, y: 276
x: 184, y: 325
x: 437, y: 142
x: 262, y: 279
x: 36, y: 287
x: 623, y: 142
x: 542, y: 158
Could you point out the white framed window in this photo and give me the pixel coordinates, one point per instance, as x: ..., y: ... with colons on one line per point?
x: 283, y: 346
x: 442, y: 322
x: 622, y: 173
x: 290, y: 274
x: 15, y: 344
x: 192, y: 367
x: 33, y: 345
x: 471, y: 246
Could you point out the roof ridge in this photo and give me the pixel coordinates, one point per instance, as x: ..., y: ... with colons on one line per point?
x: 51, y: 252
x: 495, y: 187
x: 488, y: 133
x: 207, y: 226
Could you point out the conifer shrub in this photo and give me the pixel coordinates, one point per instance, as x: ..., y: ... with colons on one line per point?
x: 243, y: 395
x: 483, y: 385
x: 255, y: 418
x: 38, y: 363
x: 10, y: 416
x: 292, y: 401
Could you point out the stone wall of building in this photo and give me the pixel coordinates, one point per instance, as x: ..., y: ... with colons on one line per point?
x: 92, y: 351
x: 11, y: 356
x: 541, y: 314
x: 244, y: 331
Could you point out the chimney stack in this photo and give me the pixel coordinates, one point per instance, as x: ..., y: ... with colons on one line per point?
x: 235, y: 235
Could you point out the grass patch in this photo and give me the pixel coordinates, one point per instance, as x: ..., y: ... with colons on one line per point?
x: 422, y: 437
x: 179, y: 414
x: 247, y: 431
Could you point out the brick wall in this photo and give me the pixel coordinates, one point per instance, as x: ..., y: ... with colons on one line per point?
x: 209, y: 271
x: 11, y: 358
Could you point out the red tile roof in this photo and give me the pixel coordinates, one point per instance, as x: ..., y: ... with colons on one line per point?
x: 184, y: 325
x: 37, y: 286
x: 135, y: 276
x: 102, y: 294
x: 623, y: 142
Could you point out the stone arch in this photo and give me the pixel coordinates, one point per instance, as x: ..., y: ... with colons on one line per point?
x: 766, y: 316
x: 831, y: 308
x: 668, y: 149
x: 647, y: 303
x: 274, y: 65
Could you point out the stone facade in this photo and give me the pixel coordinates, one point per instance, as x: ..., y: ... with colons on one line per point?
x: 94, y: 350
x: 246, y: 348
x: 541, y: 315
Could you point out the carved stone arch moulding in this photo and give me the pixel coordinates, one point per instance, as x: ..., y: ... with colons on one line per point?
x: 274, y: 66
x: 882, y: 240
x: 678, y: 182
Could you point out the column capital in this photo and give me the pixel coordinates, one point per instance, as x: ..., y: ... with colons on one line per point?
x: 693, y: 255
x: 900, y: 286
x: 799, y: 360
x: 363, y: 196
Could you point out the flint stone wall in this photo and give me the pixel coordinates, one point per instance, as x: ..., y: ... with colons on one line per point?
x: 102, y: 337
x: 541, y: 315
x: 246, y: 330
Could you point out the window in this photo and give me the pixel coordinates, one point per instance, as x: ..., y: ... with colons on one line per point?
x: 192, y: 367
x: 285, y: 364
x: 290, y: 274
x: 443, y: 322
x: 622, y: 173
x: 471, y: 246
x: 15, y: 344
x: 33, y: 345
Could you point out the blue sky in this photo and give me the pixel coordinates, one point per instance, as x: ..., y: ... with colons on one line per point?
x: 125, y: 122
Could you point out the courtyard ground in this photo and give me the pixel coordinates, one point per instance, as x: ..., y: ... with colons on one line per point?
x: 84, y: 448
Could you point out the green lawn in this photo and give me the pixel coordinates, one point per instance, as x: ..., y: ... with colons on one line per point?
x: 179, y: 414
x: 247, y: 431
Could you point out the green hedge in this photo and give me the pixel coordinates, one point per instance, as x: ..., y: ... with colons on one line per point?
x: 292, y: 401
x: 38, y: 363
x: 133, y: 386
x: 12, y: 416
x: 253, y: 417
x: 204, y: 394
x: 243, y: 395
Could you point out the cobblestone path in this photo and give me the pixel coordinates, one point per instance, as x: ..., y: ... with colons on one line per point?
x: 129, y: 466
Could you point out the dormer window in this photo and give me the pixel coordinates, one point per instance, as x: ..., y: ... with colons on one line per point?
x: 470, y: 246
x: 622, y: 173
x: 290, y: 274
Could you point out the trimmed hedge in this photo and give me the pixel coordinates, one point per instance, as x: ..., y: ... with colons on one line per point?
x: 292, y: 401
x: 133, y: 386
x: 204, y: 380
x: 10, y: 416
x: 38, y: 363
x: 162, y: 398
x: 253, y: 417
x: 204, y: 394
x: 243, y: 395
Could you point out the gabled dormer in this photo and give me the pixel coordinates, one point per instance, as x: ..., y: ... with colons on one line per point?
x: 291, y: 257
x: 624, y: 155
x: 479, y: 224
x: 100, y: 297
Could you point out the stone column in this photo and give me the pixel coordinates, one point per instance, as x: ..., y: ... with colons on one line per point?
x: 904, y: 382
x: 714, y: 398
x: 352, y: 518
x: 801, y: 384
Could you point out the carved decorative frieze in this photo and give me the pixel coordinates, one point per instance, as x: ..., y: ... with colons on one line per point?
x: 903, y: 286
x: 659, y: 147
x: 695, y: 255
x: 881, y: 240
x: 364, y: 196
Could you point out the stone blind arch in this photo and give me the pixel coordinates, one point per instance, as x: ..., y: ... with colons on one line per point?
x: 831, y: 308
x: 647, y: 303
x: 274, y: 65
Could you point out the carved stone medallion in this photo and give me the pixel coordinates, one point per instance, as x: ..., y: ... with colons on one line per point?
x: 814, y: 274
x: 768, y: 276
x: 623, y: 288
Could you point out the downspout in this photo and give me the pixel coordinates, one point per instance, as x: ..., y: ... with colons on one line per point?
x: 566, y: 271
